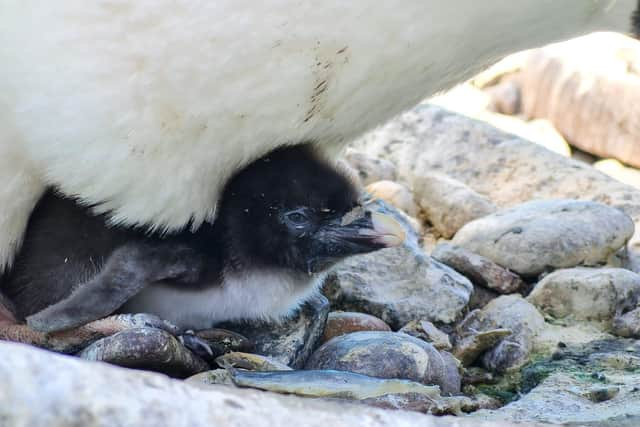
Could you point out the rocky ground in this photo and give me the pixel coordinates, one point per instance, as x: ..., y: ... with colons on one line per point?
x: 516, y: 297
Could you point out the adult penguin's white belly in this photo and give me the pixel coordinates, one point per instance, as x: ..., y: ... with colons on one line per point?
x: 145, y: 107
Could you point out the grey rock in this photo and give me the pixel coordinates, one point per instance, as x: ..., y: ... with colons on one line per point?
x: 345, y: 322
x: 508, y: 312
x: 146, y: 348
x: 369, y: 168
x: 481, y: 297
x: 428, y: 332
x: 602, y: 394
x: 448, y: 204
x: 475, y: 375
x: 249, y: 361
x: 544, y: 235
x: 389, y: 355
x: 587, y: 293
x: 209, y: 378
x: 398, y: 287
x: 406, y: 401
x: 223, y: 341
x: 399, y: 284
x: 627, y: 324
x: 470, y: 346
x: 292, y: 340
x: 480, y: 270
x: 41, y: 388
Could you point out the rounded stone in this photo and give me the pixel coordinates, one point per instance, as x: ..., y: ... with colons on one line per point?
x: 395, y: 194
x: 484, y: 334
x: 480, y: 270
x: 448, y: 204
x: 389, y: 355
x: 399, y: 285
x: 146, y: 348
x: 587, y: 293
x: 345, y: 322
x: 544, y: 235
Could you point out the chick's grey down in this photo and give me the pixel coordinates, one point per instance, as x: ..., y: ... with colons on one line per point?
x: 283, y: 222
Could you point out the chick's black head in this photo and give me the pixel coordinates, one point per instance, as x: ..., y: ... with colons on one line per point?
x: 289, y: 210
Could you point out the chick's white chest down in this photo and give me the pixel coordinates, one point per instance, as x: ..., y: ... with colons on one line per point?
x: 257, y: 294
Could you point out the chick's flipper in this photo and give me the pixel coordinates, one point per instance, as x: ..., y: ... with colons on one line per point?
x: 128, y: 270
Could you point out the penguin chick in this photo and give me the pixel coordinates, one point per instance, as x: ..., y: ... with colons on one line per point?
x: 283, y: 222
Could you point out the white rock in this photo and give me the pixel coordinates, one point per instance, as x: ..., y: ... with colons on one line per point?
x: 448, y: 204
x: 587, y: 293
x: 395, y: 194
x: 543, y: 235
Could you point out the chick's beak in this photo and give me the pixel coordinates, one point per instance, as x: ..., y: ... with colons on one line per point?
x: 384, y: 230
x: 362, y: 231
x: 359, y: 232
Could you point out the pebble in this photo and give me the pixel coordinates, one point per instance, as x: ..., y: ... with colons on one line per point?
x: 428, y: 332
x: 224, y: 341
x: 251, y: 362
x: 448, y: 204
x: 395, y: 194
x: 469, y: 347
x: 481, y: 327
x: 627, y: 325
x: 344, y: 322
x: 481, y: 271
x: 146, y: 348
x: 209, y: 378
x: 505, y: 96
x: 290, y: 341
x: 602, y: 394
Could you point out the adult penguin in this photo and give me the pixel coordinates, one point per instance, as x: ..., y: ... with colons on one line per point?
x: 143, y: 109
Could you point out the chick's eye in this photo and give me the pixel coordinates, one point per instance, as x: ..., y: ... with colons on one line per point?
x: 297, y: 218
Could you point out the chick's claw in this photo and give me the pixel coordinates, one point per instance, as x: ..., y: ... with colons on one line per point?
x: 198, y: 346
